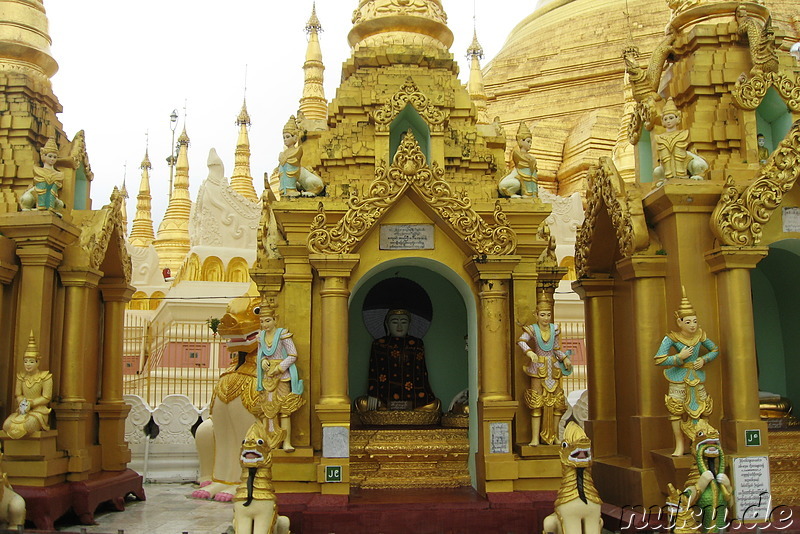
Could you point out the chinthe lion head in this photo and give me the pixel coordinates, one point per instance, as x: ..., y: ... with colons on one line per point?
x: 706, y: 446
x: 255, y: 450
x: 576, y: 448
x: 240, y: 324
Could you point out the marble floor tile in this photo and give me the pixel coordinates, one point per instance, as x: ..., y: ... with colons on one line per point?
x: 167, y: 510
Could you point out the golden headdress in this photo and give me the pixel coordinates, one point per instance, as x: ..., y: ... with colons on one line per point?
x: 670, y: 107
x: 685, y: 309
x: 269, y: 308
x: 523, y: 132
x: 50, y: 147
x: 291, y: 125
x: 543, y: 303
x: 32, y: 351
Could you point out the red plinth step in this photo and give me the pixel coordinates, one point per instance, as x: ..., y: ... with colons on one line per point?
x: 45, y: 505
x: 461, y: 511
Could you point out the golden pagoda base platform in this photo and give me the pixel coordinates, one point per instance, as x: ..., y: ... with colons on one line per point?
x: 392, y: 458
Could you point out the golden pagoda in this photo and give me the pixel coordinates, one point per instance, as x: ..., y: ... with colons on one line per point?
x: 172, y: 240
x: 241, y: 179
x: 313, y: 106
x: 142, y: 231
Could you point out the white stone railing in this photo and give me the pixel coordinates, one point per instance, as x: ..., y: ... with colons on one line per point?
x: 161, y: 440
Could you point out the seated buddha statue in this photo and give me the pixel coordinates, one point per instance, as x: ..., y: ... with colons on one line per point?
x: 33, y: 392
x: 398, y: 376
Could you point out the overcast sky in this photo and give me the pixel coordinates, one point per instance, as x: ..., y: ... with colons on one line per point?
x: 124, y: 66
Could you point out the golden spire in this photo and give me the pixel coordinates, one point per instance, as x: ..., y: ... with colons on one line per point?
x: 172, y: 242
x: 395, y: 21
x: 142, y: 231
x: 313, y: 105
x: 475, y: 86
x: 25, y: 39
x: 241, y: 179
x: 124, y: 207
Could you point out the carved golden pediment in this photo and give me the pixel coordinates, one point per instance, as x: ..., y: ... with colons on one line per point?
x: 409, y: 170
x: 749, y: 92
x: 409, y: 93
x: 97, y: 228
x: 739, y: 218
x: 606, y: 189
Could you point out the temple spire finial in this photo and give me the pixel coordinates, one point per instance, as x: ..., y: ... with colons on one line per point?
x: 142, y: 234
x: 313, y: 106
x: 241, y: 179
x: 475, y: 86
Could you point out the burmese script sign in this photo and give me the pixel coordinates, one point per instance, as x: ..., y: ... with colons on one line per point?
x: 498, y: 433
x: 791, y: 219
x: 406, y: 237
x: 751, y: 488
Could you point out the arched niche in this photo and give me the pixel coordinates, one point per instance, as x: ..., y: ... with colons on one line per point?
x: 139, y: 301
x: 155, y: 299
x: 409, y: 119
x: 80, y: 195
x: 212, y: 270
x: 773, y: 118
x: 775, y: 293
x: 238, y: 271
x: 193, y: 268
x: 451, y: 343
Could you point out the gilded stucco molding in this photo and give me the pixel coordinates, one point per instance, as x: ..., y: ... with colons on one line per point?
x: 409, y: 170
x: 97, y: 230
x: 372, y: 9
x: 644, y: 83
x: 409, y: 93
x: 607, y: 189
x: 739, y: 218
x: 749, y: 92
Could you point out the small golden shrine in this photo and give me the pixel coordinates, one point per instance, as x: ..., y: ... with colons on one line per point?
x: 411, y: 195
x: 64, y: 282
x: 727, y: 79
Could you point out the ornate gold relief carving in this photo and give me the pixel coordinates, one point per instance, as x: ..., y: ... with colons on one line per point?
x: 409, y: 93
x: 96, y: 233
x: 644, y: 83
x: 739, y: 218
x: 370, y: 9
x: 409, y: 170
x: 749, y: 92
x: 606, y: 188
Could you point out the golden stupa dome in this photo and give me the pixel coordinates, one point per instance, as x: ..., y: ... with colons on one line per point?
x: 389, y: 22
x: 24, y: 37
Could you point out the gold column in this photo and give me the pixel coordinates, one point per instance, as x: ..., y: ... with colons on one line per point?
x: 111, y: 409
x: 598, y: 294
x: 740, y: 405
x: 333, y: 408
x: 73, y: 412
x: 497, y: 469
x: 77, y: 281
x: 641, y: 379
x: 335, y: 273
